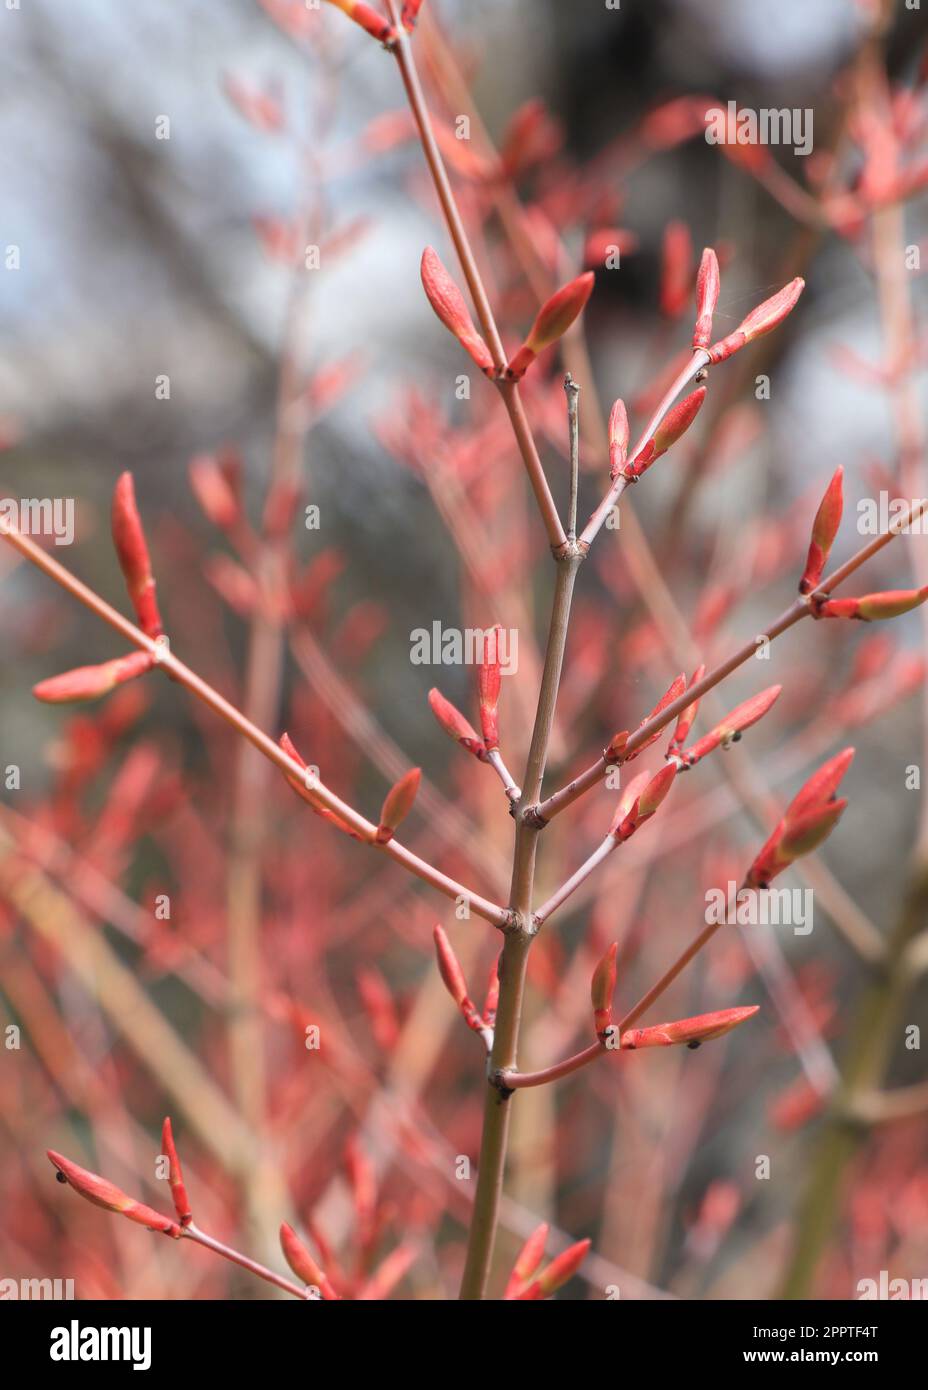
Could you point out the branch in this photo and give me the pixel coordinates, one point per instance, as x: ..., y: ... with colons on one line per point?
x: 803, y: 607
x: 178, y: 671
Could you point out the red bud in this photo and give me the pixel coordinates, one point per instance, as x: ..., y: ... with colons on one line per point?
x: 644, y: 803
x: 562, y: 1268
x: 808, y: 821
x: 453, y: 978
x: 686, y: 717
x: 824, y: 529
x: 708, y: 284
x: 822, y: 785
x: 673, y: 692
x: 304, y: 791
x: 730, y: 729
x: 891, y: 603
x: 618, y: 438
x: 90, y: 682
x: 368, y: 18
x: 553, y: 320
x: 111, y: 1198
x: 302, y: 1263
x: 602, y: 990
x: 454, y: 723
x: 450, y: 970
x: 398, y: 804
x: 628, y: 796
x: 759, y: 321
x: 674, y: 424
x: 175, y: 1175
x: 528, y: 1260
x: 691, y: 1031
x: 489, y: 685
x: 132, y: 553
x: 448, y: 302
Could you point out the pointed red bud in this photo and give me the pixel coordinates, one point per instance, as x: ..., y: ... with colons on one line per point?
x: 730, y: 729
x: 90, y: 682
x: 674, y: 424
x: 302, y: 1263
x: 554, y: 318
x: 602, y: 990
x: 759, y: 321
x: 824, y: 529
x: 528, y: 1261
x: 615, y: 752
x: 449, y: 968
x: 303, y: 789
x: 398, y: 804
x: 618, y: 438
x: 489, y: 679
x: 673, y: 692
x: 175, y: 1175
x: 644, y: 803
x: 448, y: 302
x: 691, y: 1031
x: 707, y: 295
x: 132, y: 553
x: 808, y: 821
x: 368, y: 18
x: 453, y: 978
x: 822, y: 785
x: 454, y: 724
x: 654, y: 793
x: 686, y: 718
x: 872, y: 608
x: 628, y: 796
x: 562, y: 1268
x: 110, y: 1197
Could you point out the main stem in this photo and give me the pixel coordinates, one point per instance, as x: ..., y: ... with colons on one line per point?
x: 514, y: 959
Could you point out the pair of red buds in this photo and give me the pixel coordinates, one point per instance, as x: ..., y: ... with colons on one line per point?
x: 489, y: 679
x: 890, y: 603
x: 690, y: 1031
x: 674, y: 424
x: 677, y: 421
x: 526, y: 1283
x: 90, y: 682
x: 107, y: 1195
x: 726, y: 732
x: 552, y: 322
x: 808, y: 821
x: 453, y: 978
x: 763, y: 319
x: 675, y: 284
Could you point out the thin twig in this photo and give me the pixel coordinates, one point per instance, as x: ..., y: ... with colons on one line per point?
x: 195, y: 684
